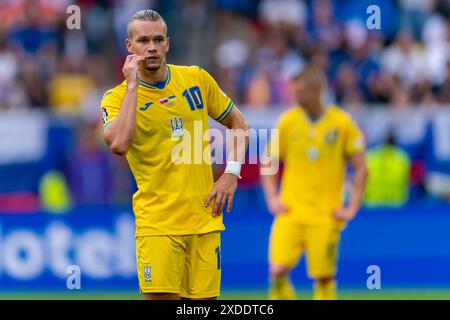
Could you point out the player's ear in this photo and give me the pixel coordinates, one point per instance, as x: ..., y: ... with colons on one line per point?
x: 168, y: 44
x: 128, y: 45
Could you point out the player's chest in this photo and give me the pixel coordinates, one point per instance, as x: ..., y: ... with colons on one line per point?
x: 170, y: 113
x: 314, y: 142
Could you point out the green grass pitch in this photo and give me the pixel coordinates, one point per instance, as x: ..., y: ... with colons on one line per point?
x: 382, y: 294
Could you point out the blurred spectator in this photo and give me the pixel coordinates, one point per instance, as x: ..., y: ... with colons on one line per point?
x: 355, y: 58
x: 400, y: 98
x: 346, y: 83
x: 405, y: 59
x: 250, y: 47
x: 276, y: 61
x: 31, y: 78
x: 8, y: 61
x: 389, y: 173
x: 236, y: 42
x: 414, y: 14
x: 443, y: 90
x: 90, y: 174
x: 195, y: 48
x: 123, y: 10
x: 230, y: 58
x: 69, y: 87
x: 53, y: 192
x: 12, y: 93
x: 99, y: 28
x: 283, y: 13
x: 436, y: 39
x: 438, y: 185
x: 323, y: 27
x: 98, y: 70
x: 34, y: 26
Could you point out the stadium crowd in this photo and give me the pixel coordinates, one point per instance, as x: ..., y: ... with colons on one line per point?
x: 251, y: 47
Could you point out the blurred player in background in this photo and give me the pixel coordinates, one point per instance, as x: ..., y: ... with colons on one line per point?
x: 177, y: 206
x: 315, y: 143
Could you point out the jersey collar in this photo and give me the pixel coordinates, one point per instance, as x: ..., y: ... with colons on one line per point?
x: 317, y: 120
x: 158, y: 85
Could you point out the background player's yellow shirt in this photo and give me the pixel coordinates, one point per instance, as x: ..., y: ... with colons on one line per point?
x: 170, y: 197
x: 315, y: 155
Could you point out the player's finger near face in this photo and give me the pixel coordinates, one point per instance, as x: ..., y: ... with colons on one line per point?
x: 136, y: 59
x: 129, y: 58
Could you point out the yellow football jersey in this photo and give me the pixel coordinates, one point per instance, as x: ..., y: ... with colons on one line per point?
x: 315, y: 155
x: 171, y: 193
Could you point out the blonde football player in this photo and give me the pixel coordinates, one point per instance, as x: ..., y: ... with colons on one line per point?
x: 316, y: 142
x: 177, y: 206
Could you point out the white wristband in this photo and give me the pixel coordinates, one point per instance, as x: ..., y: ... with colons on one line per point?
x: 234, y: 167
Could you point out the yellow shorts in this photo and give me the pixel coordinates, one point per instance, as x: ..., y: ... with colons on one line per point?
x: 188, y: 265
x: 289, y: 239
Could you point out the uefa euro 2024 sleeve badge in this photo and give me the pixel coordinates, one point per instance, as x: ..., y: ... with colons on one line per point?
x: 104, y: 115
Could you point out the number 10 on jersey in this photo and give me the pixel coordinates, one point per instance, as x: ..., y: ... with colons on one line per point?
x: 193, y: 96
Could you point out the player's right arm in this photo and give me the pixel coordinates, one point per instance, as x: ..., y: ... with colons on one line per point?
x: 270, y: 179
x: 119, y: 134
x: 270, y: 187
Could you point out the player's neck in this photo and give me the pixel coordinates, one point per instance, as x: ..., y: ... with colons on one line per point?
x: 152, y: 77
x: 314, y: 111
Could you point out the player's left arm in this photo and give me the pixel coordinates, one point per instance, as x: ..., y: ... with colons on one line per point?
x: 226, y: 185
x: 354, y: 152
x: 358, y: 162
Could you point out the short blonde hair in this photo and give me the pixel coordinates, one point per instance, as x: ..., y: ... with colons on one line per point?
x: 145, y: 15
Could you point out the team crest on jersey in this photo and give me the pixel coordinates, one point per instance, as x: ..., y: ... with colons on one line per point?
x: 331, y: 136
x: 104, y: 115
x: 177, y: 127
x: 147, y: 273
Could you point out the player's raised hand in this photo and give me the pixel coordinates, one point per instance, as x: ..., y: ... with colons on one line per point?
x: 130, y: 68
x: 276, y: 206
x: 344, y: 214
x: 222, y: 192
